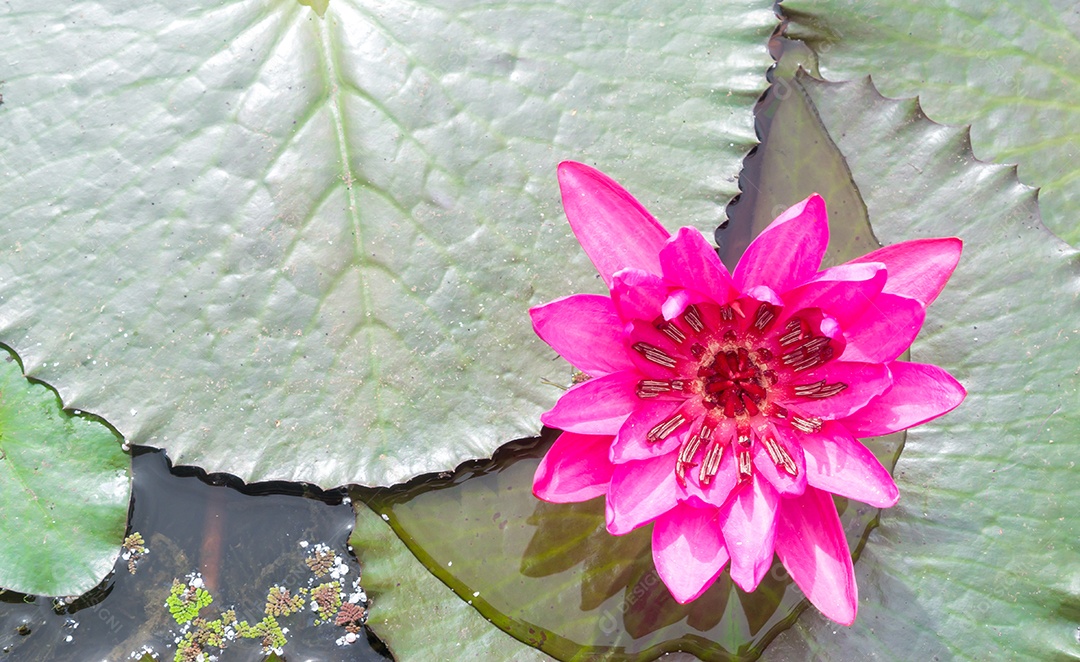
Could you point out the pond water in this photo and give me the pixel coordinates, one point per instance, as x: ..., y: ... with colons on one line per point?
x: 242, y: 539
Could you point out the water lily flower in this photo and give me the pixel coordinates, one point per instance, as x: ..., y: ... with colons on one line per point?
x: 724, y: 408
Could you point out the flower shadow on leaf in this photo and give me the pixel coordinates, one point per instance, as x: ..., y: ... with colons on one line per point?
x: 551, y: 576
x: 571, y: 535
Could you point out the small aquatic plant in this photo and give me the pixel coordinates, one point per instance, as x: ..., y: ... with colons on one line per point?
x: 281, y: 602
x: 325, y: 601
x: 134, y: 549
x: 724, y: 408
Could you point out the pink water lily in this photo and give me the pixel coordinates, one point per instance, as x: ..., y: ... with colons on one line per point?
x: 724, y: 408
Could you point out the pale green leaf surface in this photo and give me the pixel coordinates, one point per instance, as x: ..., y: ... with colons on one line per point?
x: 978, y: 560
x: 1011, y: 68
x: 64, y: 488
x: 288, y: 247
x: 429, y: 622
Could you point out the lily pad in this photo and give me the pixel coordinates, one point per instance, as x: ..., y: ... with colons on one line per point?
x: 978, y: 559
x: 554, y: 578
x: 292, y: 247
x: 1007, y: 68
x: 422, y: 617
x: 64, y: 488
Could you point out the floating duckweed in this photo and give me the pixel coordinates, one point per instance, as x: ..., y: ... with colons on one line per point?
x: 330, y: 601
x: 268, y: 630
x: 326, y: 600
x: 134, y: 549
x: 280, y: 602
x: 322, y: 560
x: 351, y: 616
x: 184, y: 601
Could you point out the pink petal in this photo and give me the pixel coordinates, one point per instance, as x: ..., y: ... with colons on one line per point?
x: 836, y: 462
x: 810, y: 543
x: 843, y: 292
x: 585, y: 330
x: 676, y: 303
x: 918, y: 269
x: 598, y: 406
x: 785, y: 483
x: 688, y: 550
x: 885, y: 330
x: 640, y: 492
x: 920, y: 392
x: 690, y: 262
x: 576, y: 468
x: 631, y: 444
x: 864, y: 381
x: 789, y: 251
x: 749, y: 524
x: 638, y: 295
x: 613, y: 228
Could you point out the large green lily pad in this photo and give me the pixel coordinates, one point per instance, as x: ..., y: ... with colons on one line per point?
x: 293, y: 247
x: 978, y: 560
x: 1009, y: 68
x: 64, y: 488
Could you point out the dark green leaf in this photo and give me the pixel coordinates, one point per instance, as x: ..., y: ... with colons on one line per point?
x: 978, y: 559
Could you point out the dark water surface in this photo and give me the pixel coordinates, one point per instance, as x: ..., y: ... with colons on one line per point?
x: 243, y: 539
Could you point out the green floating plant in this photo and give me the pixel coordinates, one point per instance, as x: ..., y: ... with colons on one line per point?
x: 186, y: 600
x: 268, y: 629
x: 328, y: 600
x: 280, y: 602
x: 134, y: 549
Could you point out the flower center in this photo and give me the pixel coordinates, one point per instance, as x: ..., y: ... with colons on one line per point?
x: 736, y: 371
x: 733, y: 381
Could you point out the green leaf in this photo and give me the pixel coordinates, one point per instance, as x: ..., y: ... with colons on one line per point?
x: 417, y: 616
x: 64, y: 486
x: 553, y: 577
x: 978, y: 559
x: 297, y: 248
x: 1009, y: 68
x: 185, y: 602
